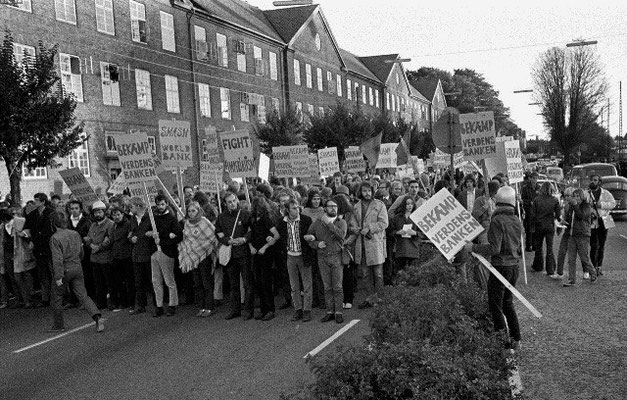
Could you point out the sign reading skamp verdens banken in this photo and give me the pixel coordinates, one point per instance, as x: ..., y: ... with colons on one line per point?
x: 446, y: 223
x: 138, y: 165
x: 478, y: 135
x: 239, y: 159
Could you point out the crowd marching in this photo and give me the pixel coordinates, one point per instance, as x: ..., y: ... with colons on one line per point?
x: 310, y: 247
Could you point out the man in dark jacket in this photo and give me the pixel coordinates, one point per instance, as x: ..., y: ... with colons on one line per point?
x: 292, y: 229
x: 143, y: 247
x: 505, y: 250
x: 528, y: 192
x: 80, y: 222
x: 168, y: 235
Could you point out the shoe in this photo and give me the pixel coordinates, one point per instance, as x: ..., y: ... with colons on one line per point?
x: 365, y: 304
x: 285, y: 306
x: 593, y: 279
x: 117, y: 309
x: 259, y: 316
x: 553, y: 276
x: 328, y: 317
x: 586, y: 275
x: 306, y: 316
x: 559, y: 276
x: 171, y: 311
x: 298, y: 315
x: 233, y: 315
x: 339, y: 319
x: 136, y: 311
x: 569, y: 283
x: 348, y: 306
x: 268, y: 316
x: 100, y: 325
x: 515, y: 345
x: 158, y: 312
x: 206, y: 313
x: 599, y: 272
x: 56, y: 329
x: 200, y: 313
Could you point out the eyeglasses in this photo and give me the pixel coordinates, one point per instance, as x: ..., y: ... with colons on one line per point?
x: 334, y: 206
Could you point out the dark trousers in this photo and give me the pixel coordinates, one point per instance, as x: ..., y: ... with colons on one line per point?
x: 500, y: 301
x: 262, y: 265
x: 281, y: 277
x: 527, y: 223
x: 400, y: 263
x: 74, y: 280
x: 143, y: 282
x: 123, y: 282
x: 389, y: 266
x: 540, y: 259
x: 103, y: 280
x: 88, y: 276
x: 597, y: 246
x: 234, y: 268
x: 317, y: 284
x: 348, y: 283
x: 204, y: 284
x: 44, y: 272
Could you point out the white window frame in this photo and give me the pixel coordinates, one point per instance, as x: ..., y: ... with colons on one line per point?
x: 168, y: 39
x: 79, y: 157
x: 225, y: 103
x: 371, y: 96
x: 202, y: 49
x: 24, y: 6
x: 357, y: 92
x: 387, y: 100
x: 319, y: 79
x: 20, y: 51
x: 37, y: 173
x: 204, y: 99
x: 143, y: 89
x: 310, y: 109
x: 349, y: 89
x: 223, y: 50
x: 297, y: 81
x: 299, y: 111
x: 110, y: 89
x: 244, y: 112
x: 339, y: 85
x: 172, y: 94
x: 105, y: 21
x: 241, y: 55
x: 276, y: 105
x: 321, y: 111
x: 65, y: 11
x: 308, y: 77
x: 273, y: 66
x: 364, y: 95
x: 110, y: 142
x: 376, y: 98
x: 258, y: 57
x: 138, y: 18
x: 69, y: 75
x: 152, y: 142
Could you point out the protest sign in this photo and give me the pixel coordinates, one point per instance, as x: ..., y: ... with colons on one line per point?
x: 328, y: 161
x: 404, y: 171
x: 176, y: 144
x: 118, y: 185
x: 282, y: 162
x: 239, y: 158
x: 264, y: 167
x: 446, y: 223
x: 80, y: 188
x: 504, y: 138
x: 354, y: 160
x: 312, y: 177
x: 478, y: 135
x: 209, y: 176
x: 387, y: 156
x: 419, y: 164
x: 299, y: 156
x: 513, y: 155
x: 443, y: 160
x: 138, y: 166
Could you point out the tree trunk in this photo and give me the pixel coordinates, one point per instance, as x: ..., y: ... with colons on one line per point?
x: 15, y: 178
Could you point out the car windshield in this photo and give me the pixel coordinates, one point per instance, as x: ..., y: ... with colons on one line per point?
x: 615, y: 186
x: 601, y: 170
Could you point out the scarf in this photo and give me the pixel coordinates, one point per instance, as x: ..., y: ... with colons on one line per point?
x: 199, y: 241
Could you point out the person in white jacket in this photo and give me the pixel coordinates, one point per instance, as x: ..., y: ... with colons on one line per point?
x: 602, y: 203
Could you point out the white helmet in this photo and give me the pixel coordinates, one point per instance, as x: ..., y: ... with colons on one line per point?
x: 506, y: 195
x: 98, y: 205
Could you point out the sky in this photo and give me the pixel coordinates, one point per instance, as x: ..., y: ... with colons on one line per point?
x: 501, y: 40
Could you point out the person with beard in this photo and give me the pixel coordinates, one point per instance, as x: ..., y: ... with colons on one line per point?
x: 326, y: 235
x: 602, y: 203
x: 169, y: 233
x: 368, y: 231
x: 143, y: 248
x: 99, y: 239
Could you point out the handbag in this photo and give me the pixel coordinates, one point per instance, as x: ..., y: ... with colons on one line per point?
x: 224, y: 252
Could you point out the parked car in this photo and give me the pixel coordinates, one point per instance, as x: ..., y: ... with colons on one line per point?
x: 579, y: 176
x: 617, y: 185
x: 555, y: 173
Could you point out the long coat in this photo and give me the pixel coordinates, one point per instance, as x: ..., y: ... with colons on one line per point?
x: 376, y: 220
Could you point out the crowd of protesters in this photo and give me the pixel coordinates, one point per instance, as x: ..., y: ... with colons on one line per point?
x: 309, y: 246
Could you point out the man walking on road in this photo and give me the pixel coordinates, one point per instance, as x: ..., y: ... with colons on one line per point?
x: 66, y: 247
x: 602, y: 203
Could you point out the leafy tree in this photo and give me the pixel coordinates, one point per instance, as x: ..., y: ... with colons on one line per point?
x: 280, y: 130
x: 571, y: 86
x: 36, y: 118
x: 598, y: 143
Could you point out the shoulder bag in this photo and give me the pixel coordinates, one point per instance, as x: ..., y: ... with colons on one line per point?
x: 224, y: 252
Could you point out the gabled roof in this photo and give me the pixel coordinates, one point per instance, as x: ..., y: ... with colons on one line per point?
x: 240, y: 13
x: 426, y: 86
x: 354, y: 64
x: 288, y: 21
x: 415, y: 93
x: 378, y: 66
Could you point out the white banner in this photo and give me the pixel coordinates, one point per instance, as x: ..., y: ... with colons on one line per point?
x: 513, y: 155
x: 282, y: 156
x: 478, y: 135
x: 443, y: 160
x: 387, y: 156
x: 80, y: 188
x: 299, y: 156
x: 176, y: 144
x: 138, y: 165
x: 239, y: 159
x: 354, y: 160
x: 328, y: 161
x: 264, y: 167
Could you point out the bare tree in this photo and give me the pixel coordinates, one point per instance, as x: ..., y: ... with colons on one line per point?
x: 571, y: 86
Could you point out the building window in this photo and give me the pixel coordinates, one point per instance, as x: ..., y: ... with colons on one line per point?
x: 319, y: 78
x: 387, y: 100
x: 241, y: 62
x: 363, y: 94
x: 317, y: 41
x: 299, y: 110
x: 37, y: 173
x: 244, y: 112
x: 308, y: 77
x: 276, y: 106
x: 144, y: 94
x: 330, y: 83
x: 25, y: 5
x: 339, y: 84
x: 204, y: 96
x: 371, y: 96
x: 225, y: 103
x: 71, y: 75
x: 65, y: 11
x: 110, y: 84
x: 200, y: 35
x: 398, y: 81
x: 172, y: 94
x: 310, y: 109
x: 258, y: 57
x: 168, y: 41
x: 356, y: 92
x: 273, y: 66
x: 349, y: 91
x: 110, y: 143
x: 23, y: 54
x: 138, y: 22
x: 152, y: 142
x: 376, y: 97
x: 297, y: 72
x: 80, y: 158
x: 258, y: 107
x: 321, y: 111
x: 223, y: 52
x: 104, y: 17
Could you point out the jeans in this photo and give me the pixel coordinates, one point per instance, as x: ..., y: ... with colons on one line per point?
x: 103, y: 277
x: 579, y: 245
x: 373, y: 277
x: 234, y: 268
x: 24, y: 282
x: 163, y: 270
x: 500, y: 301
x: 218, y: 282
x: 539, y: 237
x: 597, y: 246
x: 143, y: 283
x: 262, y: 264
x: 331, y: 271
x: 203, y: 284
x: 123, y: 282
x: 73, y: 279
x: 561, y: 253
x: 296, y: 268
x: 317, y: 286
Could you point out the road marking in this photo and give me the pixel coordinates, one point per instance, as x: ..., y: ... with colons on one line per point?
x: 55, y: 337
x: 331, y: 339
x: 623, y: 236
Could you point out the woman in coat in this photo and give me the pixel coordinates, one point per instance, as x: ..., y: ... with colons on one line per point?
x: 545, y: 210
x: 406, y: 234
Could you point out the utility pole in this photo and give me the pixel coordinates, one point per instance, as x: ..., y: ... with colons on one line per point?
x: 620, y: 121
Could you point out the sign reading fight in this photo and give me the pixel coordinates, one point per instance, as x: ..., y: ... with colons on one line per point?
x: 513, y: 155
x: 282, y: 156
x: 78, y: 185
x: 354, y: 160
x: 328, y: 161
x: 478, y: 135
x: 387, y: 155
x: 176, y: 144
x: 138, y: 166
x: 446, y: 223
x: 239, y: 159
